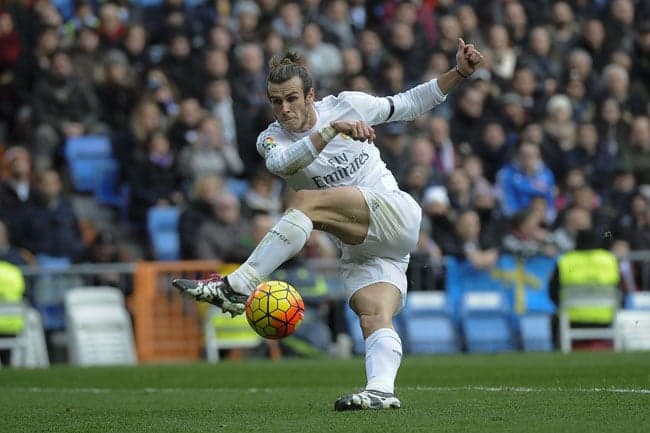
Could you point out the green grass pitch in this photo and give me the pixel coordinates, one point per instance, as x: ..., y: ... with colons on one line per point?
x: 580, y: 392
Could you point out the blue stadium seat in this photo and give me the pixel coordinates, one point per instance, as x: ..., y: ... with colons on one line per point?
x: 429, y: 324
x: 535, y: 332
x: 637, y: 301
x: 162, y: 226
x: 485, y: 321
x: 89, y: 157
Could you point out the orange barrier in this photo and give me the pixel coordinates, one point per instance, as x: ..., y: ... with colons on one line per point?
x: 167, y: 326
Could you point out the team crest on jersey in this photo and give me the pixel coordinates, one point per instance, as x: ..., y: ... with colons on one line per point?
x: 268, y: 143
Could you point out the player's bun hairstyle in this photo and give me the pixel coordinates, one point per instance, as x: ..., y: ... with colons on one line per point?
x: 283, y: 67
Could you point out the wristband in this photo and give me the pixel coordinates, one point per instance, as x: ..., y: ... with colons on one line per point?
x: 327, y: 133
x: 460, y: 73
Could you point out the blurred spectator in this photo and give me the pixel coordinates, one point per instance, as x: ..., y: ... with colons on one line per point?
x: 503, y: 55
x: 445, y: 158
x: 179, y: 63
x: 516, y: 21
x: 8, y: 252
x: 116, y: 93
x: 470, y: 241
x: 249, y: 101
x: 613, y: 126
x: 593, y: 40
x: 540, y: 59
x: 592, y: 156
x: 83, y: 16
x: 575, y: 219
x: 372, y: 52
x: 202, y: 198
x: 209, y: 153
x: 105, y: 248
x: 635, y: 153
x: 11, y: 48
x: 245, y: 23
x: 216, y: 66
x: 459, y: 190
x: 16, y: 193
x: 64, y: 107
x: 135, y: 48
x: 527, y: 236
x: 154, y: 181
x: 525, y: 178
x: 323, y: 59
x: 403, y: 46
x: 288, y: 22
x: 467, y: 118
x: 218, y: 101
x: 264, y: 195
x: 53, y: 223
x: 111, y: 28
x: 227, y: 236
x: 492, y: 148
x: 438, y: 212
x: 86, y: 55
x: 564, y: 27
x: 620, y: 25
x: 162, y: 91
x: 336, y: 25
x: 184, y: 131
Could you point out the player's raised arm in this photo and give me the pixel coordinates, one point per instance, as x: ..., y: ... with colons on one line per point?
x: 419, y: 99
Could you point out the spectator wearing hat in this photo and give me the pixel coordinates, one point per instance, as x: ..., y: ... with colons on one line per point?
x: 116, y: 93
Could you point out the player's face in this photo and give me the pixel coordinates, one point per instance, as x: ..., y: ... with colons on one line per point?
x: 291, y: 107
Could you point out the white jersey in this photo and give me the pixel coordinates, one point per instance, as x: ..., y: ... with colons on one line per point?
x: 343, y: 161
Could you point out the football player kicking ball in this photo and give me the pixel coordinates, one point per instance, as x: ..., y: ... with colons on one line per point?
x: 325, y: 151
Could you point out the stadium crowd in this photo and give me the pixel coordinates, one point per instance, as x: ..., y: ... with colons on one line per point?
x: 550, y: 137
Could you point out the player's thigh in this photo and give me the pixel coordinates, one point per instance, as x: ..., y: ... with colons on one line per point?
x: 341, y: 211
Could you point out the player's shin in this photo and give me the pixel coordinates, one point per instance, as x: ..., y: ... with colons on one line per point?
x: 282, y: 242
x: 383, y: 358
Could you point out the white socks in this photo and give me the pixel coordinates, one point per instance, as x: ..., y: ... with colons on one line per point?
x: 282, y: 242
x: 383, y: 357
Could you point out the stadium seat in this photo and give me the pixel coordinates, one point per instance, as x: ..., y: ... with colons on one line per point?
x: 485, y: 321
x: 28, y: 348
x: 576, y: 297
x: 98, y: 327
x: 429, y: 324
x: 535, y: 332
x: 632, y: 330
x: 223, y: 332
x: 637, y: 301
x: 162, y: 226
x: 48, y: 290
x: 88, y: 158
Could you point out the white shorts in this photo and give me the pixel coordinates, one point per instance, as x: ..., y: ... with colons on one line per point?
x: 393, y: 233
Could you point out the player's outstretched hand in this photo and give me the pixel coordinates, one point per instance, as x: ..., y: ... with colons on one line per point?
x: 468, y: 58
x: 357, y: 129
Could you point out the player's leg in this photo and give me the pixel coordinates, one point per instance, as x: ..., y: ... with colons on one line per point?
x: 376, y: 305
x: 341, y: 211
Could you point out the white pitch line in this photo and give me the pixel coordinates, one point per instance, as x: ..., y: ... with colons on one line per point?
x: 516, y: 389
x: 496, y: 389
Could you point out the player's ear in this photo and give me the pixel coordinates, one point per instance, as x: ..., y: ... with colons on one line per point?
x: 311, y: 94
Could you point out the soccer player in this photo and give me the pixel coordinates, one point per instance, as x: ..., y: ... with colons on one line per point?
x: 325, y: 151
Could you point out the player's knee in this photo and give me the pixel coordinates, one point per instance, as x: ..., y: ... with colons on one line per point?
x: 372, y: 322
x: 302, y: 200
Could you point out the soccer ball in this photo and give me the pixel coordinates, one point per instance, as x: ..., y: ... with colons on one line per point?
x: 275, y: 309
